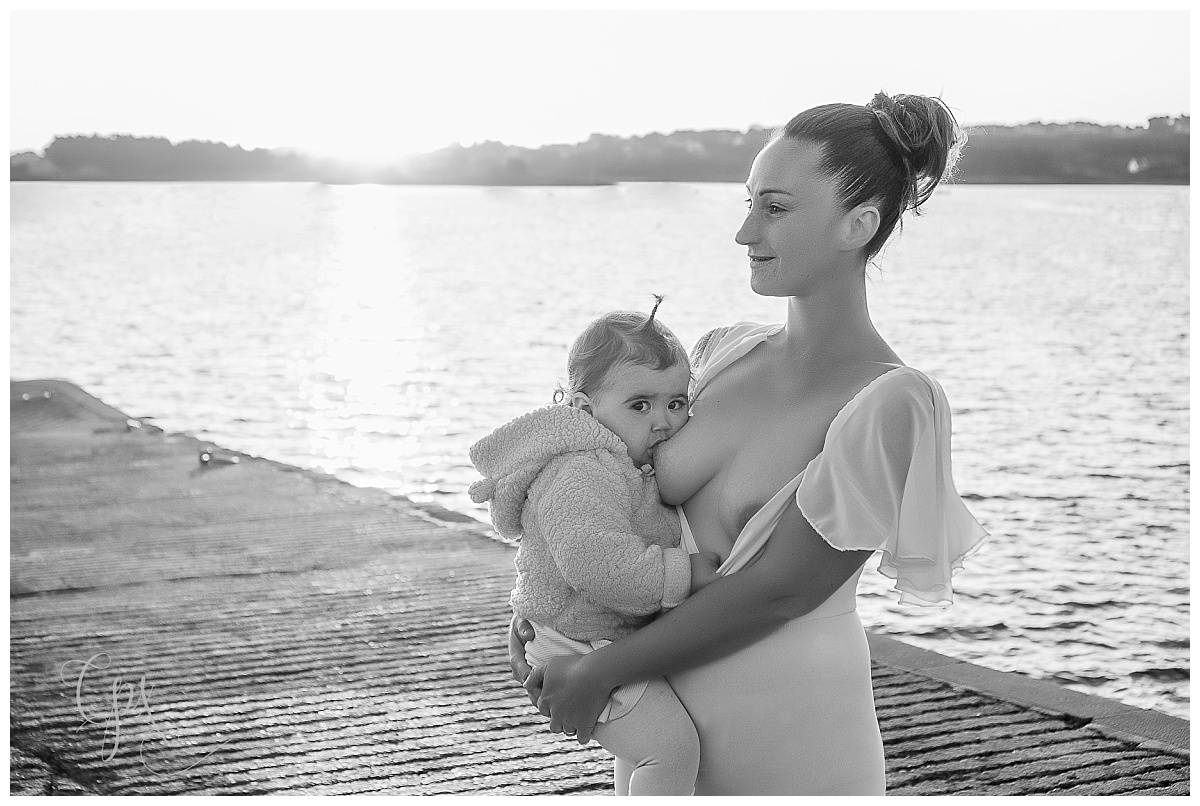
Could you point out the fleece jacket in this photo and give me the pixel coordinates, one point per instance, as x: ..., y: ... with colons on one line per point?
x: 599, y: 553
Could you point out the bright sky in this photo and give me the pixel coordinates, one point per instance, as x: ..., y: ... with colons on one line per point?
x: 376, y: 84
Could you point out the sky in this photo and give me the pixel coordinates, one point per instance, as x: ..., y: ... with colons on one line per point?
x: 375, y: 85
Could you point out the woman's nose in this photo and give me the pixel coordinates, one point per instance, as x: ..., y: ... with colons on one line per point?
x: 747, y: 233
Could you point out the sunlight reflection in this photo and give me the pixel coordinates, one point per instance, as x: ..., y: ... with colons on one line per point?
x: 368, y: 361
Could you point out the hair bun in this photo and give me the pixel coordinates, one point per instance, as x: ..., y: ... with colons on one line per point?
x: 925, y: 134
x: 882, y: 102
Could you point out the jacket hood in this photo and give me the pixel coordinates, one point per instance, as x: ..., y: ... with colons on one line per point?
x: 513, y: 455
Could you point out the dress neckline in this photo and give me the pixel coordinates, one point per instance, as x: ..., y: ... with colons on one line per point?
x: 748, y: 342
x: 755, y: 531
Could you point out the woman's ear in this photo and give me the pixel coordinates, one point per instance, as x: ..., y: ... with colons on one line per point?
x: 859, y: 226
x: 581, y: 401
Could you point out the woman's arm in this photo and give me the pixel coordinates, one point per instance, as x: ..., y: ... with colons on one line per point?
x: 796, y: 571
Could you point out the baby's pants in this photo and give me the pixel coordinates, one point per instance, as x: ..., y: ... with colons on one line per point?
x: 657, y: 749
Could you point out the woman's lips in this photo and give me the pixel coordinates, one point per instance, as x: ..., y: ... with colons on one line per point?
x: 760, y: 259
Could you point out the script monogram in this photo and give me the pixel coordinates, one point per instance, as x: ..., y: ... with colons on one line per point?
x: 125, y: 701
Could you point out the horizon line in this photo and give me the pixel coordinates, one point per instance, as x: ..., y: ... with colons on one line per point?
x: 460, y: 144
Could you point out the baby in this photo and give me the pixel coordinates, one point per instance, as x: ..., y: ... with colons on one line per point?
x: 599, y: 553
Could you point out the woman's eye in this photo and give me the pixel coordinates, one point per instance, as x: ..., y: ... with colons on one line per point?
x: 771, y: 208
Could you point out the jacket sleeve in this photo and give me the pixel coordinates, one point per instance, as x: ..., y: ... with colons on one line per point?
x: 585, y: 518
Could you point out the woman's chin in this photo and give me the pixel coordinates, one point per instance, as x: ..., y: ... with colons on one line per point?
x: 767, y: 286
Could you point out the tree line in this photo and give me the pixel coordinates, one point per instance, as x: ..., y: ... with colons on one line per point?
x: 1071, y: 153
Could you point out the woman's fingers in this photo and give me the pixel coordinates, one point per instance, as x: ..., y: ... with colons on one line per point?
x: 557, y: 726
x: 520, y: 633
x: 533, y: 686
x: 570, y: 699
x: 583, y: 735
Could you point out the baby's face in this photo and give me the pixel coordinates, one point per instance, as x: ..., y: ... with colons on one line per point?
x: 643, y: 406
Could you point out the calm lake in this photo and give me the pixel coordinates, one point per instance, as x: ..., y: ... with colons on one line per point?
x: 376, y: 332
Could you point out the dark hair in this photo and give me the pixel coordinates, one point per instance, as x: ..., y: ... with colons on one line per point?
x: 893, y: 150
x: 616, y: 338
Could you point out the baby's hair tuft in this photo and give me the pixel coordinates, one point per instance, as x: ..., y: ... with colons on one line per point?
x: 615, y: 338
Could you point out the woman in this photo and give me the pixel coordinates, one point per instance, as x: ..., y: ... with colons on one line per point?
x: 810, y: 446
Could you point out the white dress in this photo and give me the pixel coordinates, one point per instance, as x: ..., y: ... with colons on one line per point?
x: 794, y: 712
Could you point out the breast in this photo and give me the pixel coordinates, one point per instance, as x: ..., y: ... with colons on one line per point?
x: 679, y: 478
x: 757, y: 468
x: 690, y: 460
x: 753, y: 429
x: 746, y: 512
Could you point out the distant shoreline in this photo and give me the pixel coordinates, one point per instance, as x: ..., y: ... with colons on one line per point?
x: 1057, y: 154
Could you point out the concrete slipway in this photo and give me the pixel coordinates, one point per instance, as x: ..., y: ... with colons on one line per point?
x: 270, y: 630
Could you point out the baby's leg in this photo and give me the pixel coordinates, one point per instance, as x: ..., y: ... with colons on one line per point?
x: 656, y: 745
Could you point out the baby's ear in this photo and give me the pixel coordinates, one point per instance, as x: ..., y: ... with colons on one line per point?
x: 581, y: 401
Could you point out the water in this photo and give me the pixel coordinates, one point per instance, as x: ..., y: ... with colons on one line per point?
x: 376, y: 332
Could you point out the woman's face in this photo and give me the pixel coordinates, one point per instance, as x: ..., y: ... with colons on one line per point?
x: 790, y: 230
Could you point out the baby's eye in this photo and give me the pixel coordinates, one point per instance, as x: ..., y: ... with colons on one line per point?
x: 640, y: 405
x: 676, y: 405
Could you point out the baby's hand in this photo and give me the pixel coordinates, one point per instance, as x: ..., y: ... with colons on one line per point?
x: 704, y: 568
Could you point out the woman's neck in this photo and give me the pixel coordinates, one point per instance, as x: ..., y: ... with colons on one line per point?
x: 831, y: 326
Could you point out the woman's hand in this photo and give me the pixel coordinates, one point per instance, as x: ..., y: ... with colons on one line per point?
x: 570, y: 696
x: 520, y: 633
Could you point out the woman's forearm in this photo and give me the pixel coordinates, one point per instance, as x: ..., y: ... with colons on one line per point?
x: 734, y: 611
x: 723, y: 617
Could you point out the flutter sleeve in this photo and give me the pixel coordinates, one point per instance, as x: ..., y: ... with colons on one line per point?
x: 883, y: 482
